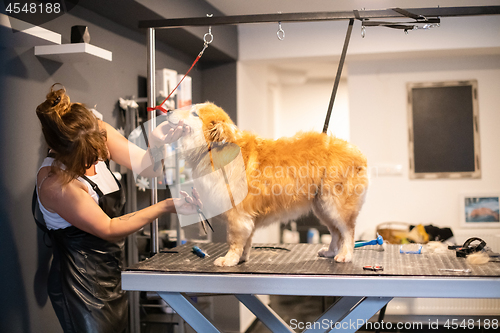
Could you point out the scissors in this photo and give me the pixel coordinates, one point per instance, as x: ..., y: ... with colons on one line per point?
x: 374, y: 268
x: 204, y: 220
x: 202, y: 216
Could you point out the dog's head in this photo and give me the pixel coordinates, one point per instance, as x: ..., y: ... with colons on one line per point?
x: 208, y: 123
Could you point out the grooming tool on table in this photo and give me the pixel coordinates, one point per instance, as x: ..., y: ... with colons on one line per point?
x: 270, y: 248
x: 374, y: 268
x: 455, y: 270
x: 466, y: 249
x: 202, y: 216
x: 204, y: 221
x: 378, y: 241
x: 410, y: 249
x: 196, y: 250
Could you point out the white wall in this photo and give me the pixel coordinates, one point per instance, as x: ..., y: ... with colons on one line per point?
x: 378, y: 114
x: 303, y: 107
x: 377, y: 70
x: 272, y: 105
x: 252, y: 98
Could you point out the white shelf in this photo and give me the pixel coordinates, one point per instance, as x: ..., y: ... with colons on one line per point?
x: 20, y: 33
x: 72, y: 52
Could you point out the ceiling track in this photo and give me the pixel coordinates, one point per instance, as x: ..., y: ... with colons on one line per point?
x: 394, y: 13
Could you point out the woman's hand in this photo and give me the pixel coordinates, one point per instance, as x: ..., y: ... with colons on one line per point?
x: 188, y: 205
x: 167, y: 132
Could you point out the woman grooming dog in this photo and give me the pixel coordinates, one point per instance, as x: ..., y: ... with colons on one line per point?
x: 81, y: 203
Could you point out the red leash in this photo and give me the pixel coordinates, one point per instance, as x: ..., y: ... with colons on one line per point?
x: 160, y: 107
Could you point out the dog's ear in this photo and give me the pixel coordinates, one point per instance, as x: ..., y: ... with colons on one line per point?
x: 217, y: 125
x: 220, y: 131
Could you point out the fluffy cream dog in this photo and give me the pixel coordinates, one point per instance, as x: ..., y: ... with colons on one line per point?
x: 285, y: 179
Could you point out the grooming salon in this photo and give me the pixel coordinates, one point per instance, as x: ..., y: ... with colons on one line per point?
x: 259, y: 166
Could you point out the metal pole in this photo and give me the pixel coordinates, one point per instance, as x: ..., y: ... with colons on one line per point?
x: 152, y: 125
x: 132, y: 253
x: 339, y: 73
x: 178, y: 195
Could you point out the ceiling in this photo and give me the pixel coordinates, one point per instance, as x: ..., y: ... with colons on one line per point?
x: 244, y: 7
x: 299, y: 70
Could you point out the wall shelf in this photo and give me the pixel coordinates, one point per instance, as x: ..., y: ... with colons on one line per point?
x: 72, y: 52
x: 20, y: 33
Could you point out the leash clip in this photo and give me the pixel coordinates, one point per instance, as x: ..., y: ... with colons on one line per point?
x: 205, y: 46
x: 208, y: 38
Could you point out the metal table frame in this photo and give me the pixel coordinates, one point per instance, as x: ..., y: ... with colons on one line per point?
x: 362, y: 296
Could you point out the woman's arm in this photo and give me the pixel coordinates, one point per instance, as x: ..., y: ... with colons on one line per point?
x: 73, y: 203
x: 135, y: 158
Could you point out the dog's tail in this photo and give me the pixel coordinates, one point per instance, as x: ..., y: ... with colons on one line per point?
x: 352, y: 168
x: 358, y: 179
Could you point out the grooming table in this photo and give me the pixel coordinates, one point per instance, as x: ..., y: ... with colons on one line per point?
x: 295, y: 269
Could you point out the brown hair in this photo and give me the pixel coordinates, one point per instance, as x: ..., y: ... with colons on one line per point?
x: 72, y: 133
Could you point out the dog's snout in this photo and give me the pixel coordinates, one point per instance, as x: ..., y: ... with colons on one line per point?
x: 172, y: 118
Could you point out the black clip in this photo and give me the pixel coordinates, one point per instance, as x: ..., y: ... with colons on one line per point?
x: 58, y: 99
x: 466, y: 249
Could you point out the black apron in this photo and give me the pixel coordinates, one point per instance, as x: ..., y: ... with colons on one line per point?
x: 85, y: 277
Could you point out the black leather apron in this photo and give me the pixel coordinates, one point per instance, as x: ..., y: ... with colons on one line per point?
x: 85, y: 277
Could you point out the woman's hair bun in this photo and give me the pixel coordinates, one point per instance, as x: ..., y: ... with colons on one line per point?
x: 57, y: 100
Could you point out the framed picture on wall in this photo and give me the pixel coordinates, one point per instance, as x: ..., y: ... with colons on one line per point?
x: 443, y: 130
x: 480, y: 210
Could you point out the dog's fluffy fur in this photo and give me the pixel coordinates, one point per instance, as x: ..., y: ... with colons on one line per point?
x: 286, y: 178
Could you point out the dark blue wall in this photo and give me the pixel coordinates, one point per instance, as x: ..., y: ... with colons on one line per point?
x: 24, y: 82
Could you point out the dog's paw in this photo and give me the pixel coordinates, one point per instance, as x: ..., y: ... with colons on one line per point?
x: 226, y: 261
x: 343, y: 257
x: 244, y: 258
x: 325, y: 252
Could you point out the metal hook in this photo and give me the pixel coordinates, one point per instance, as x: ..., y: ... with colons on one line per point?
x: 281, y: 32
x: 208, y: 37
x: 363, y: 31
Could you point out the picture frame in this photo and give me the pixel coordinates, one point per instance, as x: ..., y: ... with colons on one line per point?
x: 443, y: 130
x: 480, y: 210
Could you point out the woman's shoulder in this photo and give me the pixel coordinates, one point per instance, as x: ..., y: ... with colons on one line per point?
x: 51, y: 189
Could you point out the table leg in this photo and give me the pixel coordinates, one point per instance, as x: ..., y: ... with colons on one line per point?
x: 335, y: 313
x: 189, y: 312
x: 358, y: 316
x: 264, y: 313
